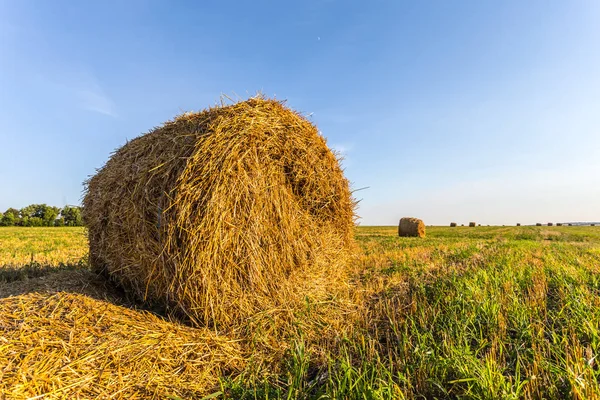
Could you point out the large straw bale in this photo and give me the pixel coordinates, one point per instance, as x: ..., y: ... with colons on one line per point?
x: 223, y: 213
x: 550, y: 224
x: 472, y: 224
x: 518, y: 224
x: 453, y: 224
x: 412, y: 227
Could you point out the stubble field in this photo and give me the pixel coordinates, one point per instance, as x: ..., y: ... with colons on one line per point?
x: 482, y: 313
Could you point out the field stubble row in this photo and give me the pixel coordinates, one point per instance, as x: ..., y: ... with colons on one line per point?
x: 492, y: 312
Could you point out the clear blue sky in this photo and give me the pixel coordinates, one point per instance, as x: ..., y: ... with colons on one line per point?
x: 447, y: 110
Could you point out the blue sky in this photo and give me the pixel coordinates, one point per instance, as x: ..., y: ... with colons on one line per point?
x: 448, y: 111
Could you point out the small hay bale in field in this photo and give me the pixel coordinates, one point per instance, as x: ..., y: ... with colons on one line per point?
x: 538, y: 224
x: 570, y: 224
x: 518, y: 224
x: 462, y: 224
x: 223, y: 213
x: 550, y: 224
x: 558, y: 224
x: 472, y: 224
x: 453, y: 224
x: 412, y: 227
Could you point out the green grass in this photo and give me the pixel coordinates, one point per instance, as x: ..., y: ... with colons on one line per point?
x: 47, y: 246
x: 465, y: 313
x: 474, y: 313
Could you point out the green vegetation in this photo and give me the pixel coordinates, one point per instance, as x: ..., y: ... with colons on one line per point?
x: 20, y: 247
x: 42, y: 215
x: 476, y: 313
x: 485, y: 313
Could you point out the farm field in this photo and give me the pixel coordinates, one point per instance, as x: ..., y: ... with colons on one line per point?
x: 47, y: 246
x: 478, y: 313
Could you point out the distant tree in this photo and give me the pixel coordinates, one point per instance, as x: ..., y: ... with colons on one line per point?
x: 49, y: 215
x: 10, y: 217
x: 39, y: 215
x: 72, y: 216
x: 26, y: 214
x: 42, y: 215
x: 35, y: 221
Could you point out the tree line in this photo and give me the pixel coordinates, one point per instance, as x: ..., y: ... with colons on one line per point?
x: 42, y: 215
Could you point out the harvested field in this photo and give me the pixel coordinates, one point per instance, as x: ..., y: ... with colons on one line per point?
x: 397, y: 329
x: 52, y: 248
x: 77, y: 345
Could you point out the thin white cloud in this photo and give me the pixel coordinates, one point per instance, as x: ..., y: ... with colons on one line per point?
x: 81, y: 89
x: 93, y: 99
x: 89, y: 93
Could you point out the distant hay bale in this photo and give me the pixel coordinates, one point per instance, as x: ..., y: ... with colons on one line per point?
x: 558, y: 224
x: 472, y: 224
x: 462, y: 224
x: 221, y: 214
x: 570, y: 224
x: 538, y: 224
x: 518, y: 224
x: 453, y: 224
x: 412, y: 227
x: 549, y: 223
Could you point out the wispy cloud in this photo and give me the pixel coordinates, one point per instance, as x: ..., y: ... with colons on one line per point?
x: 89, y: 93
x: 94, y: 99
x: 80, y: 88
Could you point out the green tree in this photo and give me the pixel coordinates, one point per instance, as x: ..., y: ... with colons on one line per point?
x: 49, y: 215
x: 35, y: 221
x: 26, y: 214
x: 39, y: 215
x: 72, y: 216
x: 10, y: 217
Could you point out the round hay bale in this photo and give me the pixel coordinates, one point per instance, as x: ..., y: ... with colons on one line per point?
x: 412, y: 227
x: 538, y: 224
x: 570, y: 224
x: 518, y: 224
x: 558, y: 224
x: 550, y: 224
x: 453, y: 224
x: 472, y: 224
x: 223, y: 213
